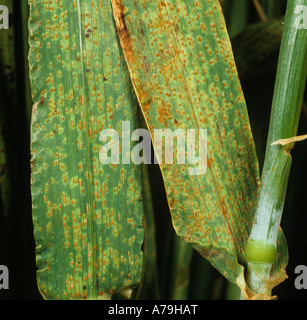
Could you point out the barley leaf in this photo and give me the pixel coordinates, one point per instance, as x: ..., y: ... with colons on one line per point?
x: 182, y: 67
x: 87, y: 215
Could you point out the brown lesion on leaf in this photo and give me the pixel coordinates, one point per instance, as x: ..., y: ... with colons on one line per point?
x: 164, y: 113
x: 120, y: 20
x: 34, y: 112
x: 126, y: 43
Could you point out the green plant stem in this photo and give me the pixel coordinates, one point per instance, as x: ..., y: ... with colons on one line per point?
x: 238, y: 16
x: 285, y: 114
x: 273, y: 8
x: 201, y: 278
x: 260, y: 10
x: 149, y: 288
x: 232, y: 292
x: 180, y: 270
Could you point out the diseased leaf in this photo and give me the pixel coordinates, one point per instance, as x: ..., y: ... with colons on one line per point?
x: 182, y: 67
x: 87, y: 215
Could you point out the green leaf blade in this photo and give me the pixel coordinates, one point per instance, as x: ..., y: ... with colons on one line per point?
x: 87, y: 216
x: 183, y: 71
